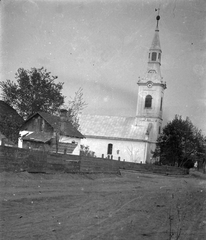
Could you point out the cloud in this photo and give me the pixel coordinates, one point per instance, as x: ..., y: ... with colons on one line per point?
x: 30, y: 8
x: 44, y: 61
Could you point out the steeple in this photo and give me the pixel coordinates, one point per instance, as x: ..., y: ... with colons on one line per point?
x: 151, y: 87
x: 155, y: 52
x: 156, y: 41
x: 153, y: 72
x: 150, y: 92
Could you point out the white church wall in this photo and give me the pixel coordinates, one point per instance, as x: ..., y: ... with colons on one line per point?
x: 150, y: 150
x: 157, y: 93
x: 156, y: 127
x: 129, y: 151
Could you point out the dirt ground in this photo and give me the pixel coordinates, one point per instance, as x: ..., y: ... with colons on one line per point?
x: 102, y: 207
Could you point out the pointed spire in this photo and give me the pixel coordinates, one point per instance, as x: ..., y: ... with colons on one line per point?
x: 155, y: 52
x: 153, y: 72
x: 156, y: 40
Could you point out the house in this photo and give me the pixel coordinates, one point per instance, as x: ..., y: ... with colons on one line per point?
x: 46, y: 132
x: 132, y: 139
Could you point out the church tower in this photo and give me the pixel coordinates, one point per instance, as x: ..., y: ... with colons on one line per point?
x: 151, y: 88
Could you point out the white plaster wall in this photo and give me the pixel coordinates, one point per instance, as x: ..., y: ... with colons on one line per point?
x: 20, y: 141
x: 129, y: 151
x: 65, y: 139
x: 150, y: 150
x: 157, y: 92
x: 154, y: 134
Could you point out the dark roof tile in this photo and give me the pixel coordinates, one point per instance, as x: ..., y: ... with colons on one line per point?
x: 38, y: 137
x: 54, y: 121
x: 5, y: 109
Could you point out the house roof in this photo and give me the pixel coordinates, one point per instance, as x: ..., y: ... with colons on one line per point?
x: 113, y: 127
x: 54, y: 121
x: 5, y: 109
x: 38, y: 137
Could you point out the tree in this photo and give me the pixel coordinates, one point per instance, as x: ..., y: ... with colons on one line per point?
x: 180, y: 143
x: 10, y: 122
x: 75, y: 107
x: 85, y: 151
x: 10, y: 127
x: 34, y: 91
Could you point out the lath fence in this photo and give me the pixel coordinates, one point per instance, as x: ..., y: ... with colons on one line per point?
x: 18, y: 159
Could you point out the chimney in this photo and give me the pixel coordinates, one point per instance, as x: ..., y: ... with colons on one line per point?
x: 63, y: 120
x: 63, y: 115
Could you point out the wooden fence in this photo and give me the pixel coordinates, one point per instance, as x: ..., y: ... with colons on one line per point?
x: 18, y: 159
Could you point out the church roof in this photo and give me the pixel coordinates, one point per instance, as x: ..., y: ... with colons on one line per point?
x: 127, y: 128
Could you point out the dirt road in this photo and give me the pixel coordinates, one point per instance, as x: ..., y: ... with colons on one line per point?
x: 102, y: 207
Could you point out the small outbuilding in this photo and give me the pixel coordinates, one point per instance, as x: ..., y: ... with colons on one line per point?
x: 46, y: 132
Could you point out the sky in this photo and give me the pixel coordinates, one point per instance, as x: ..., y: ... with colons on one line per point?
x: 102, y: 46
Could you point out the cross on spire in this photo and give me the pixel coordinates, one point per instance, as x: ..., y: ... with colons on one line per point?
x: 158, y: 16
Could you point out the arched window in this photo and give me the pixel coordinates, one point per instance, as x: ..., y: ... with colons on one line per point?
x: 109, y: 148
x: 154, y: 56
x: 148, y: 101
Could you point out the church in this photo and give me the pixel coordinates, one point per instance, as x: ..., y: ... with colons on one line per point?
x: 131, y: 139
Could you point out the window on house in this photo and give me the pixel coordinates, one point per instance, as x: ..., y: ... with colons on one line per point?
x: 109, y: 148
x: 161, y: 105
x: 148, y: 101
x: 154, y: 56
x: 149, y: 56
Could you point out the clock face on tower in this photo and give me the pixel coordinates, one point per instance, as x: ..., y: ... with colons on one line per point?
x: 149, y: 84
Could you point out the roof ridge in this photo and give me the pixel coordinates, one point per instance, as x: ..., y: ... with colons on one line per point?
x: 54, y: 122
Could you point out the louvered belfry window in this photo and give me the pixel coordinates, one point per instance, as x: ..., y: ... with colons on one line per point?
x: 148, y: 101
x: 154, y: 56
